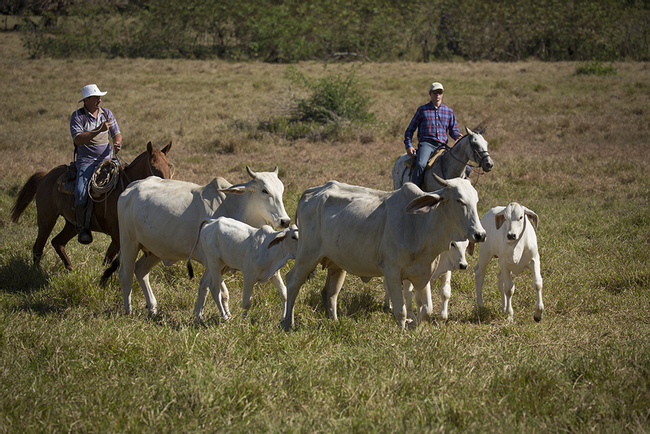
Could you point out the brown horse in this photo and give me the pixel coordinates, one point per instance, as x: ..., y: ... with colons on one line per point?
x: 51, y: 203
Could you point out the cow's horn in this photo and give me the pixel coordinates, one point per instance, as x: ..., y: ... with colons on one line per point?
x: 251, y: 173
x: 440, y: 180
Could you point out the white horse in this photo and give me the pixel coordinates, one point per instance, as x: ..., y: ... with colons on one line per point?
x: 451, y: 164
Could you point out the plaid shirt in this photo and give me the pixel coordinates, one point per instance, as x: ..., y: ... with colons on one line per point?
x: 432, y: 125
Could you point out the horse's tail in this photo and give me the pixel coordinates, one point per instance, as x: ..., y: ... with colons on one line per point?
x: 26, y: 195
x: 110, y: 270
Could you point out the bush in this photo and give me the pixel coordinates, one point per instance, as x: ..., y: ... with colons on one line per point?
x: 595, y: 68
x: 333, y: 98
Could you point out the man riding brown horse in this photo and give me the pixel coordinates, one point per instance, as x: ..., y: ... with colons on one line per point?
x: 90, y: 126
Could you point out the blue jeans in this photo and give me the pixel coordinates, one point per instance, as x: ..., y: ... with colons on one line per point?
x: 84, y: 173
x: 424, y: 152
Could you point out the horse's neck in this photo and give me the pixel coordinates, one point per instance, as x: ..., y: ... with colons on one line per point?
x: 138, y: 169
x: 453, y: 162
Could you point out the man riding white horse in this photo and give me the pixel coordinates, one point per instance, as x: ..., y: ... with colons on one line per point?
x: 434, y: 121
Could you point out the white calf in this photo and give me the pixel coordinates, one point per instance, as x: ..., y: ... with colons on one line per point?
x: 224, y: 244
x: 450, y: 260
x: 511, y: 238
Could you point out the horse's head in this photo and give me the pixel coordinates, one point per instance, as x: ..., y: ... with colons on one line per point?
x: 479, y: 146
x: 159, y: 164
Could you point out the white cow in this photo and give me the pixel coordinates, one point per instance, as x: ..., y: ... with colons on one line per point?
x: 225, y: 244
x: 397, y: 234
x: 161, y: 217
x: 449, y: 260
x: 511, y: 238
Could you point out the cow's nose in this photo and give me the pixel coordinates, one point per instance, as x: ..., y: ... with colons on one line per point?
x: 478, y: 237
x: 285, y: 223
x: 512, y: 236
x: 463, y: 266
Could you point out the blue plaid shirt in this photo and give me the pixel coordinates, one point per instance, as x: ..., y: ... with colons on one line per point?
x: 432, y: 125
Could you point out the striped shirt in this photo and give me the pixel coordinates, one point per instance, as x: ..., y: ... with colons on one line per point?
x: 80, y: 122
x: 432, y: 124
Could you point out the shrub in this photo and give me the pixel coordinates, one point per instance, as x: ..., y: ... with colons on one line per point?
x: 595, y: 68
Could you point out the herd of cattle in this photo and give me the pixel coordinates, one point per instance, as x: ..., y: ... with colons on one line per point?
x: 408, y: 236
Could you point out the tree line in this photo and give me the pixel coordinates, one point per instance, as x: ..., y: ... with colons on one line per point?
x: 325, y: 30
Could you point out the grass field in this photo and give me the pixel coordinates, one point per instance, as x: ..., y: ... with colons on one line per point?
x: 573, y: 148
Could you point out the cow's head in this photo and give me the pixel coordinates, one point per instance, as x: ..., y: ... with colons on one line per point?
x: 514, y: 216
x: 457, y: 252
x: 264, y: 203
x: 461, y: 199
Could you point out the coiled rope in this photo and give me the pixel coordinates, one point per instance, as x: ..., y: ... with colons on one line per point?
x: 104, y: 180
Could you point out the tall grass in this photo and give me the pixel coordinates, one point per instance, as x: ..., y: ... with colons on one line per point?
x: 71, y: 361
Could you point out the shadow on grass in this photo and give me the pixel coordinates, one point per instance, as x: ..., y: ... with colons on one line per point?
x: 19, y: 275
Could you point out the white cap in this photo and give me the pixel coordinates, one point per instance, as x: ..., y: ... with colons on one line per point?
x: 90, y: 90
x: 436, y: 86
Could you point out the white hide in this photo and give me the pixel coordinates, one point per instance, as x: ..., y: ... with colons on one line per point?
x: 369, y: 233
x: 225, y: 244
x: 161, y: 217
x: 449, y: 260
x: 511, y: 238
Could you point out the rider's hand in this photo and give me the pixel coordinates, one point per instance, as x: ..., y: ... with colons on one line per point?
x: 410, y: 151
x: 117, y: 146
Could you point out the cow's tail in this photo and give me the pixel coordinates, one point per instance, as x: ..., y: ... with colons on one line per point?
x: 190, y: 269
x: 110, y: 270
x: 26, y: 195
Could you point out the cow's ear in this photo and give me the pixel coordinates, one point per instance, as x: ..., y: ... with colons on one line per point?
x: 235, y: 189
x: 423, y: 204
x: 470, y: 248
x: 277, y: 240
x: 499, y: 219
x: 532, y: 217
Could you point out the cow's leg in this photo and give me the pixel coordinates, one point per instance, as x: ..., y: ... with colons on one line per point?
x: 67, y: 233
x: 537, y: 285
x: 298, y: 274
x: 247, y: 293
x: 330, y: 293
x: 407, y: 289
x: 445, y: 294
x: 507, y: 288
x: 217, y: 287
x: 276, y: 279
x: 479, y: 277
x: 423, y: 297
x: 142, y: 268
x: 393, y: 283
x: 204, y: 287
x: 128, y: 255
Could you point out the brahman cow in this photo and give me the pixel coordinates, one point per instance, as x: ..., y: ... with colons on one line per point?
x: 397, y: 234
x: 511, y: 238
x: 449, y: 260
x: 225, y: 244
x: 161, y: 217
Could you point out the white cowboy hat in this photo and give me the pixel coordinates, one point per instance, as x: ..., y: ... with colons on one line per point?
x: 90, y: 90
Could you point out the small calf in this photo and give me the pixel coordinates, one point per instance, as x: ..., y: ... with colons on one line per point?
x: 226, y: 244
x: 511, y: 238
x: 448, y: 261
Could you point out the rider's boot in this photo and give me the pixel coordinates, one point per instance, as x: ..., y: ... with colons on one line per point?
x: 83, y: 227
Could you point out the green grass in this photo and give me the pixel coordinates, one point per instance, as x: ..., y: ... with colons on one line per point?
x: 70, y: 360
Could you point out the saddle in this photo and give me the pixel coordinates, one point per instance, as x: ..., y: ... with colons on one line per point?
x: 102, y: 182
x: 410, y: 162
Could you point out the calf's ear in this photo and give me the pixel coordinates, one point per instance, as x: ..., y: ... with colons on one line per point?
x: 423, y: 204
x: 277, y: 240
x: 470, y: 248
x: 532, y: 217
x: 499, y: 219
